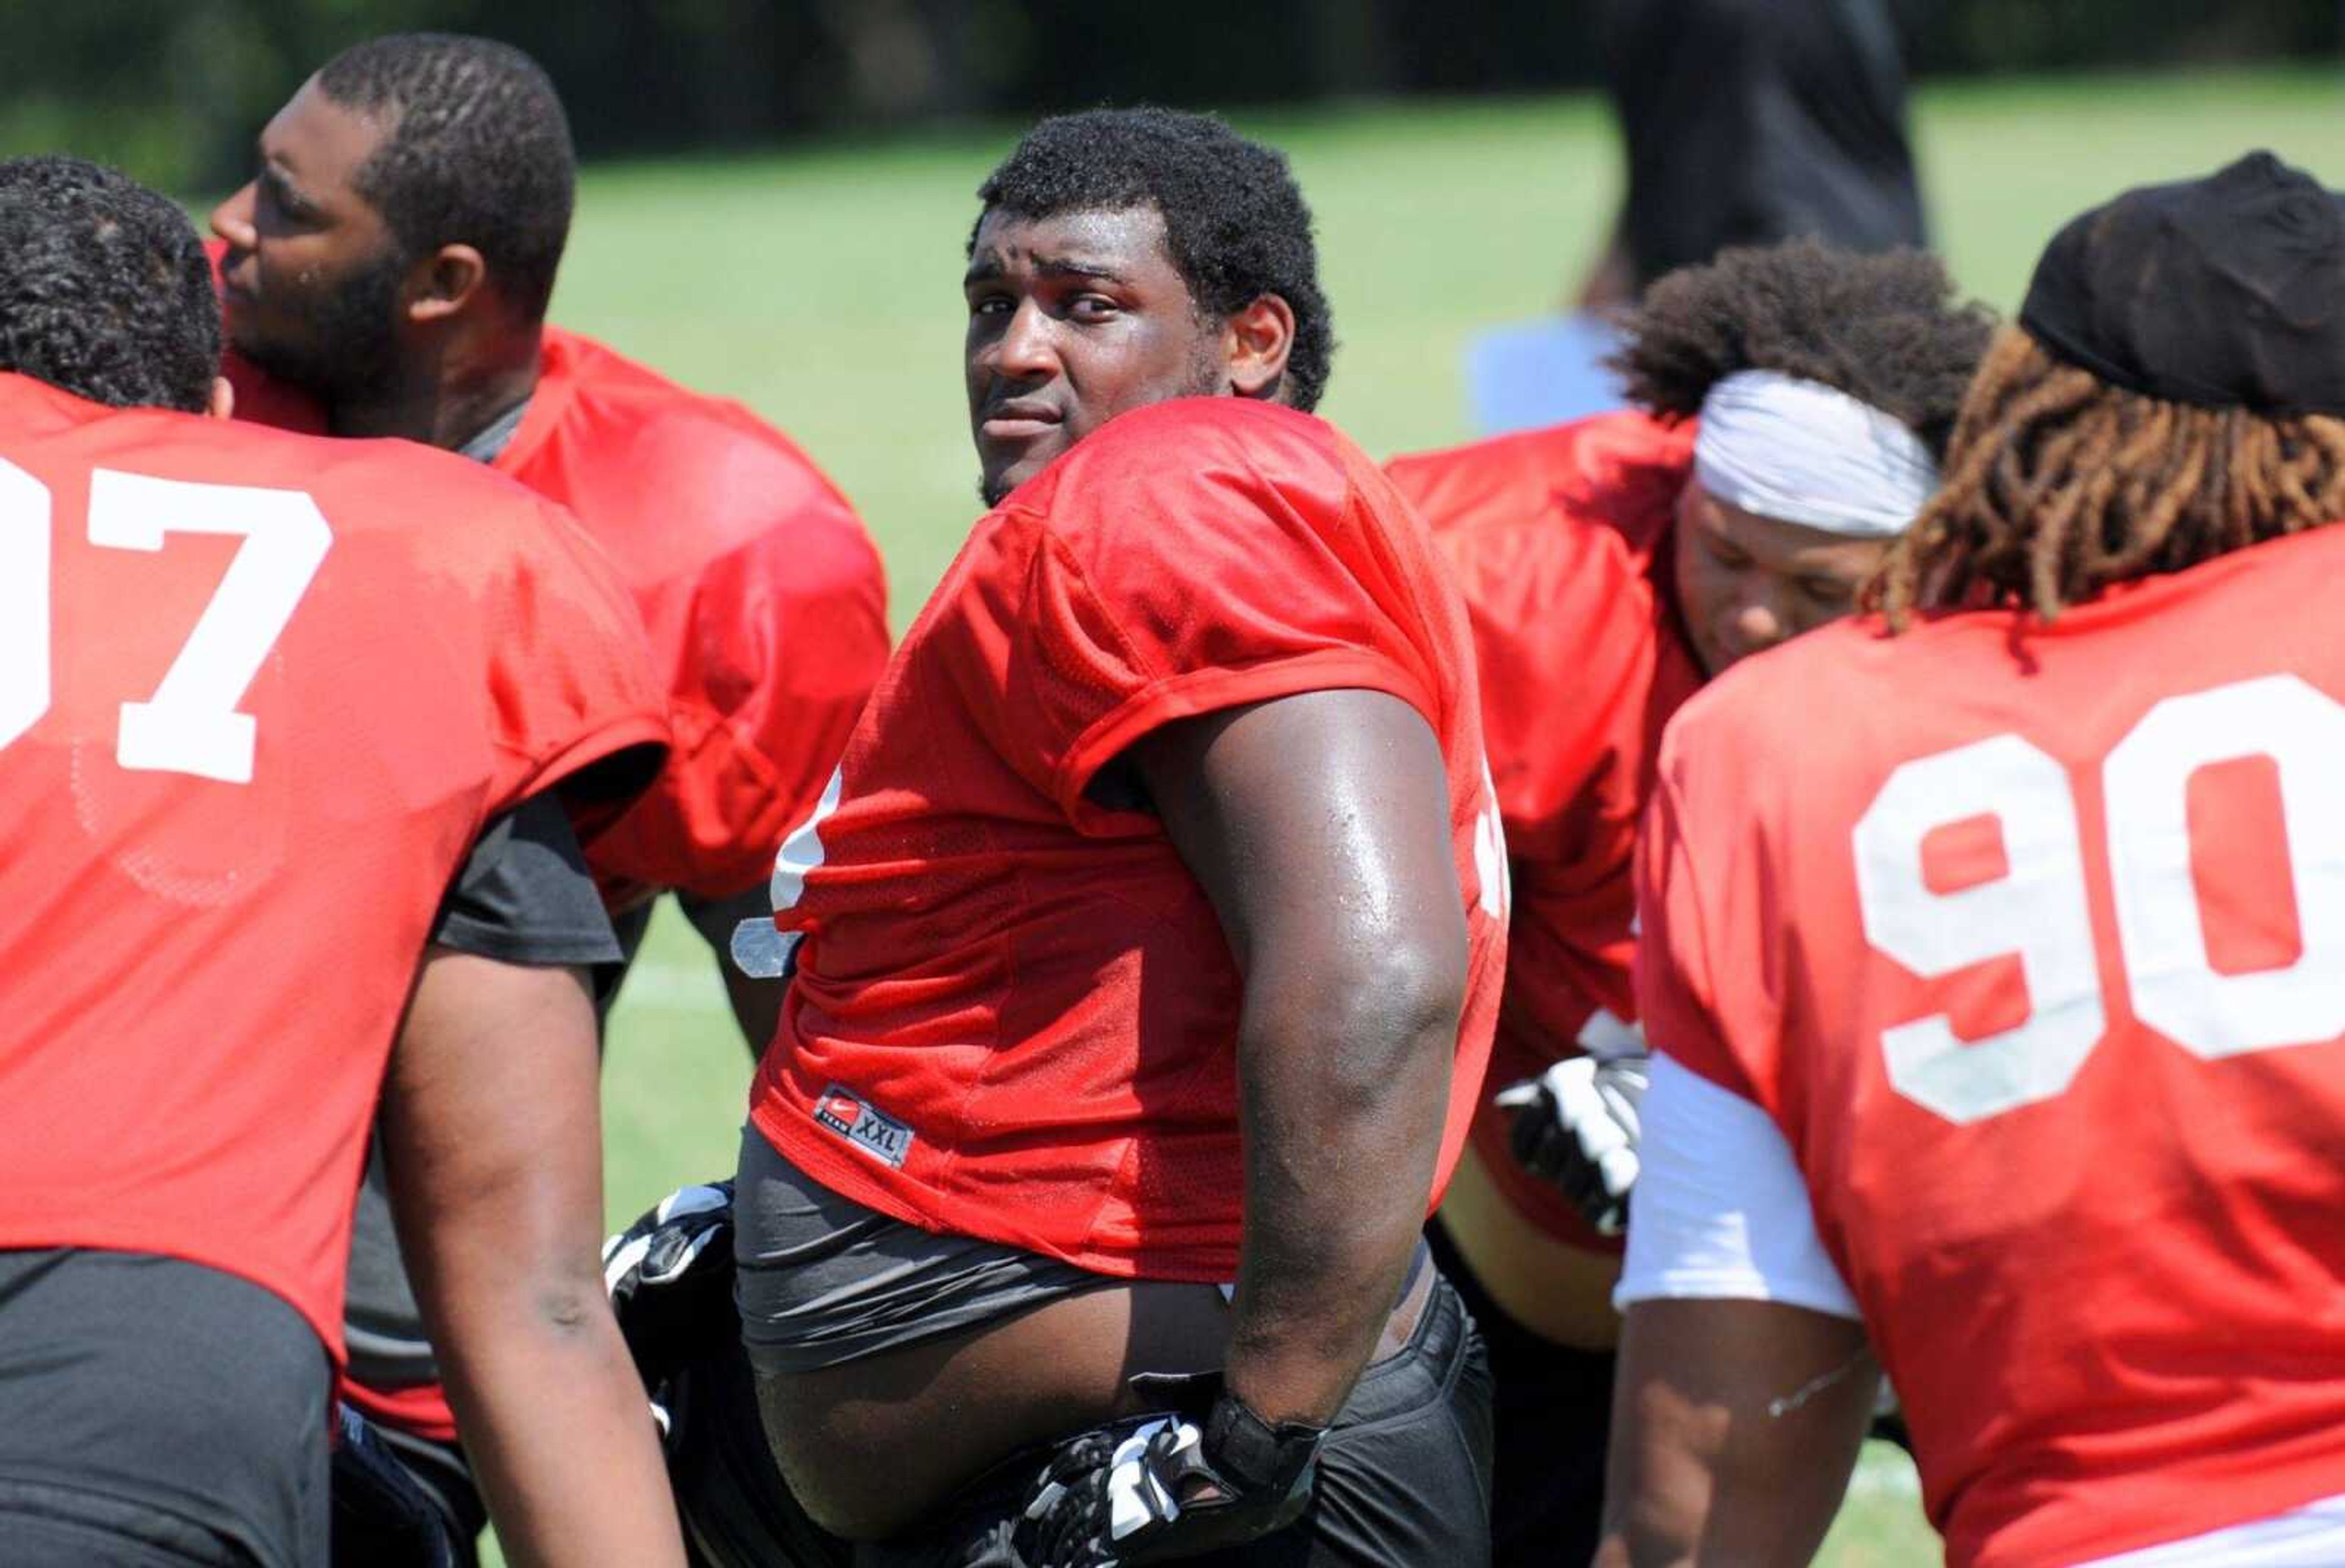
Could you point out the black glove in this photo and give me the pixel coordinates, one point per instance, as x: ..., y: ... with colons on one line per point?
x: 670, y: 1276
x: 1206, y: 1473
x: 1577, y: 1123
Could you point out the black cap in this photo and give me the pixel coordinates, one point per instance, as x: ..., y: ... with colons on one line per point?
x: 2226, y: 291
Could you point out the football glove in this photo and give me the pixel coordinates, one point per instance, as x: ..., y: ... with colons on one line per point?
x: 1201, y: 1475
x: 1577, y: 1124
x: 670, y: 1277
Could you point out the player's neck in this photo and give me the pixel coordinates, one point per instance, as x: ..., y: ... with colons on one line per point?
x: 448, y: 401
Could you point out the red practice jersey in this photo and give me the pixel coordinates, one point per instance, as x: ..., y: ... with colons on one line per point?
x: 2032, y: 941
x: 764, y: 596
x: 1015, y: 1014
x: 765, y: 599
x: 259, y: 694
x: 1558, y: 539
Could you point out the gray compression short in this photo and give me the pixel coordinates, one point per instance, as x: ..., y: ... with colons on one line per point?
x: 822, y: 1280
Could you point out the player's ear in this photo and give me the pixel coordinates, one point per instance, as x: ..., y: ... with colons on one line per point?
x: 445, y: 283
x: 221, y: 404
x: 1255, y: 342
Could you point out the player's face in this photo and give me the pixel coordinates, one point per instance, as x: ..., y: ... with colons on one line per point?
x: 1072, y: 320
x: 311, y: 278
x: 1746, y: 583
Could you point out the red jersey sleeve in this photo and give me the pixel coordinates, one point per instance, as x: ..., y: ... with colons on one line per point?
x: 762, y: 595
x: 1554, y: 535
x: 571, y: 677
x: 783, y: 641
x: 1191, y: 557
x: 1707, y: 987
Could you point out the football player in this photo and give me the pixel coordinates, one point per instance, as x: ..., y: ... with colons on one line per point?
x: 260, y: 698
x: 1993, y: 948
x: 1794, y: 400
x: 392, y: 260
x: 1147, y: 942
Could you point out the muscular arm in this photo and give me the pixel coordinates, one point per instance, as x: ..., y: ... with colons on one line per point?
x: 492, y: 1133
x: 1702, y: 1471
x: 1319, y: 826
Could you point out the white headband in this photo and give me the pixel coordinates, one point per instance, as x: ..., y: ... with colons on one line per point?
x: 1802, y: 452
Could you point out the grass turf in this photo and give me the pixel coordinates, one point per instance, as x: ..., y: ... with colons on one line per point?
x: 819, y: 286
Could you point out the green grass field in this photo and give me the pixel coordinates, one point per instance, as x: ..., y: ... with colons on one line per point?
x: 821, y: 286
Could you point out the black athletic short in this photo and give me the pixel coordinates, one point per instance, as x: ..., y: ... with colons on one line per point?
x: 1404, y: 1475
x: 821, y: 1280
x: 160, y: 1414
x: 1551, y: 1409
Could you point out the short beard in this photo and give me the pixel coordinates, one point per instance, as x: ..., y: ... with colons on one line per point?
x: 344, y: 349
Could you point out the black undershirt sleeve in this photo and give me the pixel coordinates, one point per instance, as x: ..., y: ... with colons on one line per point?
x: 525, y: 895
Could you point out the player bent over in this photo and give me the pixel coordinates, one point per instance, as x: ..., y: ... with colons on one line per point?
x: 1993, y: 949
x: 263, y: 694
x: 1794, y: 401
x: 388, y: 272
x: 391, y: 264
x: 1147, y: 943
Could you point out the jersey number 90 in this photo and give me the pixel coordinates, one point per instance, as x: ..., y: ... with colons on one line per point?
x: 2041, y: 910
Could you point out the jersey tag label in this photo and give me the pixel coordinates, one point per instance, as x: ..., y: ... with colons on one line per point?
x: 863, y: 1125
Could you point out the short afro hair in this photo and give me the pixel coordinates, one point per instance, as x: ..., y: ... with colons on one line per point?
x: 478, y: 153
x: 105, y: 291
x: 1887, y: 329
x: 1234, y: 221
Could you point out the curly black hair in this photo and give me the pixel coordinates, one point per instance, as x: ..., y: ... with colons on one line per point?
x: 1887, y: 329
x: 103, y: 288
x: 479, y: 153
x: 1234, y: 221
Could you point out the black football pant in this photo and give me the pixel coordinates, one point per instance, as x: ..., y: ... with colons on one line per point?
x: 160, y: 1414
x: 1404, y: 1474
x: 1552, y: 1416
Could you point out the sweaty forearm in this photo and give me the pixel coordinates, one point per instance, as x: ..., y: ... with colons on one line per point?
x: 1343, y: 1109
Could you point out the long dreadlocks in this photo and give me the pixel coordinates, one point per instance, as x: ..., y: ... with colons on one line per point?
x: 2058, y: 484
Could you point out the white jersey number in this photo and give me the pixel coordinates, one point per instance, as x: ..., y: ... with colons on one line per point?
x: 190, y: 725
x: 1491, y: 869
x: 761, y: 949
x: 2039, y: 911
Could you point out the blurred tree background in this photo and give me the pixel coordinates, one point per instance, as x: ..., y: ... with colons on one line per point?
x: 175, y: 91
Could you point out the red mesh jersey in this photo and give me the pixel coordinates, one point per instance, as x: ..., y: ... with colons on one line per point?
x: 763, y: 595
x: 1559, y: 538
x: 259, y: 694
x: 1015, y: 1014
x: 2032, y: 940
